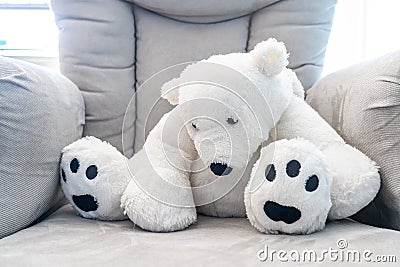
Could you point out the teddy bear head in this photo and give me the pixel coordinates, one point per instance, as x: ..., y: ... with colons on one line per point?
x: 229, y: 103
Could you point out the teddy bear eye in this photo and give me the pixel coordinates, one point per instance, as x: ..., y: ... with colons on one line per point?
x: 312, y: 183
x: 231, y: 120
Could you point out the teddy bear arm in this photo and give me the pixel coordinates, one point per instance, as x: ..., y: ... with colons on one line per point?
x: 300, y: 120
x: 159, y: 197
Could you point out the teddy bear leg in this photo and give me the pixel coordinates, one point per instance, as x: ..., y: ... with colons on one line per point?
x: 355, y: 179
x: 289, y: 189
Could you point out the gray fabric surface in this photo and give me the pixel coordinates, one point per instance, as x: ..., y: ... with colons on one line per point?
x: 110, y: 49
x: 304, y: 26
x: 184, y: 43
x: 40, y: 113
x: 65, y: 239
x: 204, y: 11
x: 97, y: 51
x: 363, y: 104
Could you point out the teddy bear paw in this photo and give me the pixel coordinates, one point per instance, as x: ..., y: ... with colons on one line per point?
x: 93, y: 177
x: 289, y: 189
x: 152, y: 214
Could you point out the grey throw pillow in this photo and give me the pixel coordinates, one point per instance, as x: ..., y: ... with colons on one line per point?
x: 40, y: 112
x: 363, y: 104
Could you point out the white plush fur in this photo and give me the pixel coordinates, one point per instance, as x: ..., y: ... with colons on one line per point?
x: 109, y: 184
x: 355, y: 177
x: 289, y: 191
x: 228, y: 106
x: 355, y: 180
x: 207, y: 96
x: 270, y: 57
x: 159, y: 198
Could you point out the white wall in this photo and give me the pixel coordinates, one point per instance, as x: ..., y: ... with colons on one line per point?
x: 29, y: 34
x: 362, y: 29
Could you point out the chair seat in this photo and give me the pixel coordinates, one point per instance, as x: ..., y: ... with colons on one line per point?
x: 64, y: 239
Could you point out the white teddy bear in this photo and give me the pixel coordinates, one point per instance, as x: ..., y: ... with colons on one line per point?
x: 200, y: 156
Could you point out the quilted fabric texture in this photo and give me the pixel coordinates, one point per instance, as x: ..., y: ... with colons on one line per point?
x: 40, y: 113
x: 205, y: 11
x: 118, y: 53
x: 363, y: 104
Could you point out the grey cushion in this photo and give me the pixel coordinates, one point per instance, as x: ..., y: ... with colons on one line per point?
x: 204, y: 11
x: 112, y: 51
x: 65, y: 239
x: 363, y: 104
x: 40, y: 112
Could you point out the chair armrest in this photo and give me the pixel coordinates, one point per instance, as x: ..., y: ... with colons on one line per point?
x: 362, y: 103
x: 41, y: 111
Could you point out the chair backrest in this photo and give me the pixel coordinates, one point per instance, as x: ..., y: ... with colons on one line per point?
x: 110, y: 49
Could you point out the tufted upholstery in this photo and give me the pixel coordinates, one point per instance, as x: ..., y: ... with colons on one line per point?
x: 113, y: 50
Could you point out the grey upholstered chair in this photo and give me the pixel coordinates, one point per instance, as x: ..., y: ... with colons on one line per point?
x: 109, y: 48
x: 114, y: 50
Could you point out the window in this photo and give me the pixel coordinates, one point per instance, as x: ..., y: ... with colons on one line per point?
x: 27, y: 28
x: 362, y: 30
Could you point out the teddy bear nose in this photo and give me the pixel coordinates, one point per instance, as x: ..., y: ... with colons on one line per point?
x: 220, y: 169
x: 277, y: 212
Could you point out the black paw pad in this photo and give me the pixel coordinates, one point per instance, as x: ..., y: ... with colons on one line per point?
x: 63, y: 175
x: 312, y: 183
x: 85, y: 202
x: 270, y: 172
x: 220, y: 169
x: 277, y: 212
x: 91, y: 172
x: 74, y: 165
x: 293, y: 168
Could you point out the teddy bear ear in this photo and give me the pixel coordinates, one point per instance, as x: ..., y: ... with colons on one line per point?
x: 270, y: 56
x: 170, y: 91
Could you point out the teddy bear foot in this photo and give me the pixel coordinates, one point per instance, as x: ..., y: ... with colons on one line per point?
x: 94, y: 175
x: 289, y: 189
x: 152, y: 215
